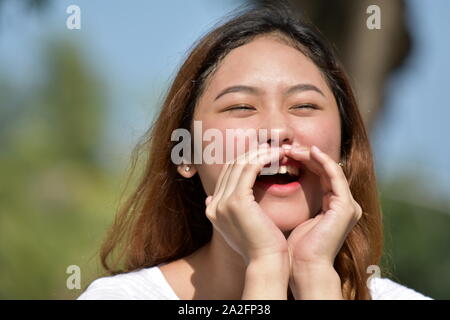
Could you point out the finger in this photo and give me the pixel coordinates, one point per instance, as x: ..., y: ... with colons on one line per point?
x: 222, y: 184
x: 244, y: 158
x: 336, y: 226
x: 239, y: 166
x: 250, y: 172
x: 338, y: 181
x: 304, y: 156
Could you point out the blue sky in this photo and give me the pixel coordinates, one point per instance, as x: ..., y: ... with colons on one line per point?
x: 414, y: 133
x: 137, y: 49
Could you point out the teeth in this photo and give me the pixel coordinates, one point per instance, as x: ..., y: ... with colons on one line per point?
x: 294, y: 171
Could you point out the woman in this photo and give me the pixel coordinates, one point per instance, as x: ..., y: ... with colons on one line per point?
x: 226, y: 229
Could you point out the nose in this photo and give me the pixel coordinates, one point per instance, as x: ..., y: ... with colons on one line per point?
x: 279, y: 130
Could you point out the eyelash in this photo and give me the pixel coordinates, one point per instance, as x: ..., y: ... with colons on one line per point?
x: 308, y: 105
x: 244, y: 107
x: 241, y: 107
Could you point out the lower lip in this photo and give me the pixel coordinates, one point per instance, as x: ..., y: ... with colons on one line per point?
x: 280, y: 190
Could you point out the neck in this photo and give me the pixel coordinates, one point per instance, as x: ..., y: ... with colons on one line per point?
x: 218, y: 272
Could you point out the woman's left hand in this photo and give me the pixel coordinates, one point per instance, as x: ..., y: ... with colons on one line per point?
x: 314, y: 244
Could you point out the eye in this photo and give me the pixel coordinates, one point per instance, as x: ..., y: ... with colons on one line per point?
x: 305, y: 106
x: 240, y: 107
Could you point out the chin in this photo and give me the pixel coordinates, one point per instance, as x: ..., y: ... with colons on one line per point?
x: 286, y: 213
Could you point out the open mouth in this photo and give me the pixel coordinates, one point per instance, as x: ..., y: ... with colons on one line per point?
x: 286, y: 174
x: 286, y: 181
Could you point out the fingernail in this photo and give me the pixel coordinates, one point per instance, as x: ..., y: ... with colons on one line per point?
x: 315, y: 148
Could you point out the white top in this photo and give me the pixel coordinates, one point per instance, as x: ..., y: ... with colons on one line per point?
x: 150, y: 284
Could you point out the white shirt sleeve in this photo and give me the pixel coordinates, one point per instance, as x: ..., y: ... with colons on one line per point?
x: 105, y: 288
x: 386, y: 289
x: 144, y: 284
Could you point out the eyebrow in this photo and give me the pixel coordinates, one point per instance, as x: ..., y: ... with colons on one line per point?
x: 256, y: 91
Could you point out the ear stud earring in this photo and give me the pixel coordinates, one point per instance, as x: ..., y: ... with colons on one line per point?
x: 187, y: 168
x: 341, y: 164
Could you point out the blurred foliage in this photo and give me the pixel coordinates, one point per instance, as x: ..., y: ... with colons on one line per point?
x: 416, y: 237
x: 31, y: 4
x: 26, y: 5
x: 55, y: 195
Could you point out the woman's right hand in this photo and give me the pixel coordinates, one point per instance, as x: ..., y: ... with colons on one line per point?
x: 234, y: 212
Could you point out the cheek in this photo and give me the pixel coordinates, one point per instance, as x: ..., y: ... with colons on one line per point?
x: 324, y: 133
x: 209, y: 174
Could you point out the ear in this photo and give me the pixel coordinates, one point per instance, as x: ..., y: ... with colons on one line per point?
x: 187, y: 170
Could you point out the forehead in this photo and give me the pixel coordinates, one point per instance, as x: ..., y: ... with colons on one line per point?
x: 269, y: 63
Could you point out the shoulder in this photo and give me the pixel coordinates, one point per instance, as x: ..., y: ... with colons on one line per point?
x: 386, y: 289
x: 144, y: 284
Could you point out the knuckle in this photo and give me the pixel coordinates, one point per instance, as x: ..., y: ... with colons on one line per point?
x: 210, y: 212
x: 349, y: 204
x: 357, y: 211
x: 348, y: 209
x: 346, y: 205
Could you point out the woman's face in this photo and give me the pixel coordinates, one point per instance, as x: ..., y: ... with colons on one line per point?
x: 272, y: 68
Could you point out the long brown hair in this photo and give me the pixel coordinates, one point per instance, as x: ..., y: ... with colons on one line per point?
x: 164, y: 217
